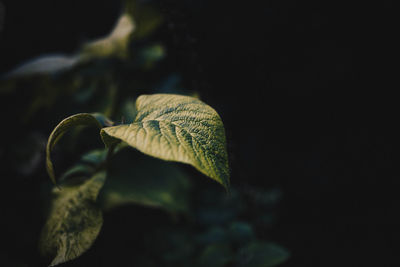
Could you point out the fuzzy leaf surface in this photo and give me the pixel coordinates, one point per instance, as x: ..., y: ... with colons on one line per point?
x: 177, y: 128
x: 74, y: 220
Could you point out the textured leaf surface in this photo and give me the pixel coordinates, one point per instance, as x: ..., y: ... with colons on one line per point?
x: 178, y: 128
x: 74, y: 220
x: 61, y: 128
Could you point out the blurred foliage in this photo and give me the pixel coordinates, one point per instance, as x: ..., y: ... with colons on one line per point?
x: 209, y: 227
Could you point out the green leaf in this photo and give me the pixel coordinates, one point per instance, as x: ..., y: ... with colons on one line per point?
x: 240, y: 232
x: 215, y: 255
x: 114, y: 44
x: 47, y: 64
x: 177, y: 128
x: 262, y: 254
x: 144, y: 181
x: 74, y: 220
x: 147, y: 18
x: 84, y: 119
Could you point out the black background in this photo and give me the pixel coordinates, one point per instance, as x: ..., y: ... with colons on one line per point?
x: 305, y: 90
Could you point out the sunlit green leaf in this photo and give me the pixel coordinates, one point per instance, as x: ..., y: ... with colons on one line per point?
x: 177, y: 128
x: 262, y: 254
x: 145, y: 181
x: 74, y: 220
x: 77, y: 170
x: 84, y: 119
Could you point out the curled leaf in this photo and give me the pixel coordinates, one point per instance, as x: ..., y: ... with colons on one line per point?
x: 84, y: 119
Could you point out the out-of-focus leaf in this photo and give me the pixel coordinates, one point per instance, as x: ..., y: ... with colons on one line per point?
x: 49, y: 64
x: 84, y: 119
x: 88, y: 164
x: 215, y: 255
x: 240, y: 232
x: 148, y: 56
x: 74, y: 220
x: 216, y: 208
x: 77, y: 170
x: 216, y: 234
x: 174, y: 244
x: 115, y: 44
x: 102, y: 119
x: 178, y: 128
x: 261, y: 254
x: 145, y: 181
x: 95, y: 157
x: 147, y: 18
x: 128, y: 111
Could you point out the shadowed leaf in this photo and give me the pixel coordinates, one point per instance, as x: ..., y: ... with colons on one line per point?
x: 145, y: 181
x: 74, y: 220
x: 262, y: 254
x: 215, y: 255
x: 115, y: 44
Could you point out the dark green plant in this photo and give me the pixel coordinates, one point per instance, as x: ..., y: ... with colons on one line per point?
x: 170, y: 127
x: 202, y: 225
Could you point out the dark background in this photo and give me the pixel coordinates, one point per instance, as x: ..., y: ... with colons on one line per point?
x: 304, y: 90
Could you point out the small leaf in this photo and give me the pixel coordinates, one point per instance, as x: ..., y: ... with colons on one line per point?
x: 262, y: 254
x: 177, y: 128
x: 72, y: 121
x: 74, y: 220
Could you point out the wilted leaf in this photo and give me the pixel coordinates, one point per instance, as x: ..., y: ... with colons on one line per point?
x: 144, y: 181
x: 74, y: 220
x: 85, y: 119
x: 177, y: 128
x: 262, y: 254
